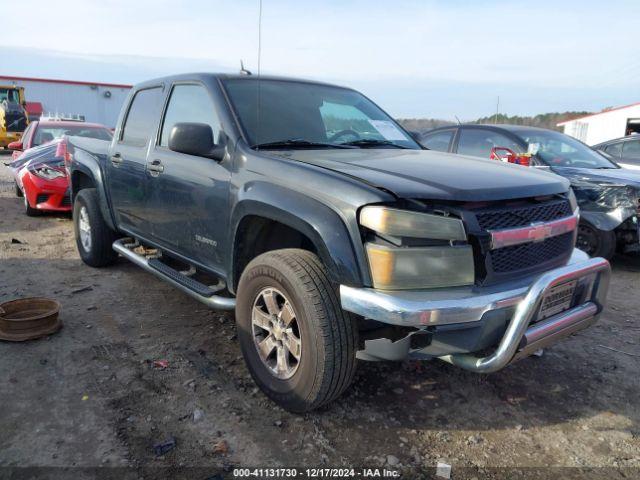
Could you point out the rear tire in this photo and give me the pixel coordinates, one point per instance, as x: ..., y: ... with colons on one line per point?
x: 19, y: 193
x: 321, y: 333
x: 595, y: 242
x: 94, y: 238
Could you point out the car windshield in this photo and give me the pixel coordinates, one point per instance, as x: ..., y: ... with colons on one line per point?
x: 45, y: 134
x: 289, y: 114
x: 10, y: 95
x: 559, y: 150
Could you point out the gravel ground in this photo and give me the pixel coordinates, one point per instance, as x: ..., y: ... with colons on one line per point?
x: 90, y: 396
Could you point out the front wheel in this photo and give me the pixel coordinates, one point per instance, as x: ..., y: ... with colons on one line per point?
x: 298, y: 344
x: 28, y: 209
x: 595, y: 242
x: 94, y: 238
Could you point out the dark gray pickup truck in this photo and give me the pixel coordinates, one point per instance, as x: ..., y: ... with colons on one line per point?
x: 331, y: 232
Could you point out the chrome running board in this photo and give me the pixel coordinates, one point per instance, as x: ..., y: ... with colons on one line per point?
x: 195, y: 289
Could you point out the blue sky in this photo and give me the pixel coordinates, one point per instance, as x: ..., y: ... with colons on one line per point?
x: 415, y: 58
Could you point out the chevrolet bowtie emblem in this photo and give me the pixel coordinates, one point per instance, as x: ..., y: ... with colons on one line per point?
x: 537, y: 233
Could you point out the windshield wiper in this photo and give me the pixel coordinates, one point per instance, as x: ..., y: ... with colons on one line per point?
x: 298, y: 143
x: 370, y: 142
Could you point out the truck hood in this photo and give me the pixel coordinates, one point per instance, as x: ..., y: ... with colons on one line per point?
x: 428, y: 174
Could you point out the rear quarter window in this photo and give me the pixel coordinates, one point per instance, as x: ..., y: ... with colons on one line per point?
x: 438, y: 140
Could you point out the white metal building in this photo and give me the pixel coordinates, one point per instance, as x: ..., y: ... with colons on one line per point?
x: 606, y: 125
x: 97, y: 102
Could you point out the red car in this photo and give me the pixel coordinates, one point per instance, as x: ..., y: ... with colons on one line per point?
x: 40, y: 173
x: 40, y: 132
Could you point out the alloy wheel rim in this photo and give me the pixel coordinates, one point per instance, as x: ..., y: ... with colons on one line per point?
x: 84, y: 228
x: 276, y: 333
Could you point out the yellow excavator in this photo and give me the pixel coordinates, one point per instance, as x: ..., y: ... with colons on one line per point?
x: 13, y: 115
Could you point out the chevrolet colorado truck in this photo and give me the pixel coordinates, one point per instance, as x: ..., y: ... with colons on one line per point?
x: 330, y: 231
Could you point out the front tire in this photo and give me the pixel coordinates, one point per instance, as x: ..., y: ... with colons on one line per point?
x: 595, y: 242
x: 94, y: 238
x: 298, y: 344
x: 28, y: 210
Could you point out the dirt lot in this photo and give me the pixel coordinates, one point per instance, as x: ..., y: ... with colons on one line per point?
x: 90, y: 395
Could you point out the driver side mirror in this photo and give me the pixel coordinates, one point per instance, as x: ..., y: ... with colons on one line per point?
x: 195, y: 139
x: 17, y: 146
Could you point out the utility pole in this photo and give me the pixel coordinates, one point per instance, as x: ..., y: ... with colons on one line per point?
x: 495, y: 119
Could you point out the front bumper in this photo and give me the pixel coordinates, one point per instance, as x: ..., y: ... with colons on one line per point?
x: 466, y: 307
x: 50, y: 195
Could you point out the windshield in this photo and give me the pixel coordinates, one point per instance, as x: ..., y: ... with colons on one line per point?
x: 559, y: 150
x: 11, y: 95
x: 298, y: 112
x: 45, y: 134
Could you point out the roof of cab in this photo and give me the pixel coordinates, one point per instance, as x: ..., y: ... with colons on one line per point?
x: 205, y: 76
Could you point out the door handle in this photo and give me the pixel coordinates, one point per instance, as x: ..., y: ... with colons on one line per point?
x: 116, y: 159
x: 155, y: 168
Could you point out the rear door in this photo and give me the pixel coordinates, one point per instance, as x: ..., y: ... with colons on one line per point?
x: 190, y: 195
x: 126, y: 168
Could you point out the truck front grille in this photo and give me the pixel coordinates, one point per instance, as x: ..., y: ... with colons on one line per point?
x: 504, y: 264
x: 520, y: 257
x: 505, y: 217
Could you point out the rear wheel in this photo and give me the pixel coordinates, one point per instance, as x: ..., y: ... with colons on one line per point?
x: 595, y: 242
x: 299, y: 345
x: 18, y: 191
x: 94, y: 238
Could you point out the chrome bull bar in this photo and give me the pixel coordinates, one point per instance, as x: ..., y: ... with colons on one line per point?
x: 522, y: 337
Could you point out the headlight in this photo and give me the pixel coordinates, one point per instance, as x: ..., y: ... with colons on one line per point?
x: 573, y: 202
x: 416, y: 267
x: 48, y: 173
x: 404, y: 223
x: 397, y: 268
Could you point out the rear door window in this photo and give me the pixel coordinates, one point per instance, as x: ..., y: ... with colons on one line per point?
x: 189, y: 103
x: 631, y: 150
x: 614, y: 149
x: 478, y: 142
x: 142, y: 117
x: 439, y: 141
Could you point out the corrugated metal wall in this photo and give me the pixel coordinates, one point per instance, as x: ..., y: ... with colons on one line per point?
x: 92, y: 101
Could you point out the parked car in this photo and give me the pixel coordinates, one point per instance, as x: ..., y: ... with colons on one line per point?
x: 624, y: 151
x: 40, y: 174
x: 330, y: 231
x: 608, y: 195
x: 41, y: 131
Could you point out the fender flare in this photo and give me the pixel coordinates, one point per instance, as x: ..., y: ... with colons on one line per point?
x: 84, y: 163
x: 325, y: 227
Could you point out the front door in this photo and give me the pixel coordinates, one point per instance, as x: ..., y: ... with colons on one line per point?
x: 189, y: 194
x: 126, y: 166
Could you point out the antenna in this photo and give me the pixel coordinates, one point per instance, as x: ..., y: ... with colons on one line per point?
x: 243, y: 71
x: 458, y: 120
